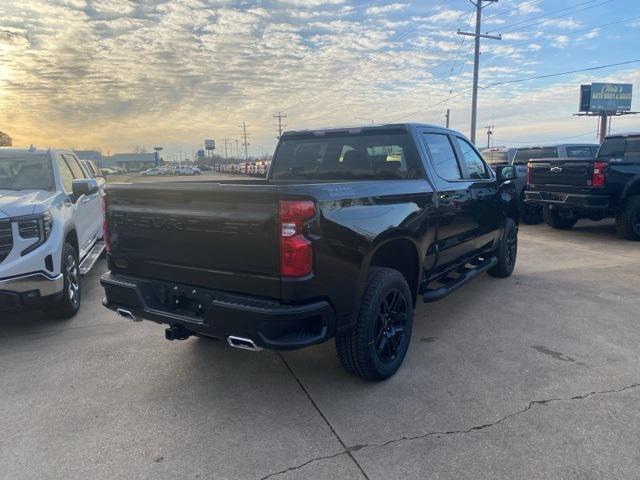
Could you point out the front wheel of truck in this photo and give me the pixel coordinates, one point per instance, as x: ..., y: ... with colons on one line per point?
x: 69, y: 303
x: 376, y: 346
x: 507, y: 251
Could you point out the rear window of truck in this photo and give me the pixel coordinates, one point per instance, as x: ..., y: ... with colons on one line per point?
x: 495, y: 157
x: 580, y: 152
x: 367, y: 155
x: 523, y: 155
x: 620, y: 147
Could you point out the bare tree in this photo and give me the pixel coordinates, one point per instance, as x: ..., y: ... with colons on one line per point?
x: 5, y: 140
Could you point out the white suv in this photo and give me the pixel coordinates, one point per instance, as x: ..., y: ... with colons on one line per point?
x: 50, y: 229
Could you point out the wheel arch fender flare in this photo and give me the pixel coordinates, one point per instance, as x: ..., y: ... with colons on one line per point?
x: 381, y: 245
x: 631, y: 188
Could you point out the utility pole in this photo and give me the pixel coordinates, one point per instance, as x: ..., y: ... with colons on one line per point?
x: 489, y: 133
x: 237, y: 150
x: 244, y: 142
x: 279, y: 116
x: 447, y: 116
x: 476, y: 61
x: 225, y: 148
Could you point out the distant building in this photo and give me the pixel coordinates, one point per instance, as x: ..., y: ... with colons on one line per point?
x: 130, y: 161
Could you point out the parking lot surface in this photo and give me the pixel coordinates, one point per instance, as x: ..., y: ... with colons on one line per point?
x: 536, y: 377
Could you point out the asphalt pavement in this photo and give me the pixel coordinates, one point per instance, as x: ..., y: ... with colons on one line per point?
x: 532, y: 377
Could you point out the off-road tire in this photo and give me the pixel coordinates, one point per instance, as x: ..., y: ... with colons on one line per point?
x: 357, y: 348
x: 554, y: 220
x: 69, y: 303
x: 507, y: 251
x: 628, y: 219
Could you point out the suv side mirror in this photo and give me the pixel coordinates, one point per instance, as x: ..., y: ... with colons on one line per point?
x: 85, y: 186
x: 505, y: 172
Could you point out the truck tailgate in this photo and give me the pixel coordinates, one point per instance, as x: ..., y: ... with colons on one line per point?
x: 196, y: 233
x: 572, y: 172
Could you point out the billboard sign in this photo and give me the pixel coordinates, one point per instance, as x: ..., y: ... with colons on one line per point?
x: 585, y: 98
x: 610, y: 97
x: 200, y: 153
x: 209, y: 144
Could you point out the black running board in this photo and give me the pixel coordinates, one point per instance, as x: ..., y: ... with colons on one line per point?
x: 453, y: 284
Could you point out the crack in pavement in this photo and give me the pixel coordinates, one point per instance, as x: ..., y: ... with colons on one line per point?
x: 532, y: 404
x: 346, y: 449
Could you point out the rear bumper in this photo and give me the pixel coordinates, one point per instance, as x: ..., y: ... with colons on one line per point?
x: 29, y: 291
x: 213, y: 313
x: 578, y: 201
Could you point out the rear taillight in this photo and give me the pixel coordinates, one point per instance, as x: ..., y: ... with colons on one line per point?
x: 296, y: 251
x: 598, y: 177
x: 105, y: 225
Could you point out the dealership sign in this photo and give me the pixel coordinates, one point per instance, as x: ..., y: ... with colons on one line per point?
x: 606, y: 97
x: 209, y: 145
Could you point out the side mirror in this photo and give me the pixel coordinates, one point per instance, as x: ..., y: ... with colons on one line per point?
x: 85, y: 186
x: 505, y: 172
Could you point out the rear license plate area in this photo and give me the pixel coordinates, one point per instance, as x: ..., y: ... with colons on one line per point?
x: 558, y: 197
x: 187, y: 301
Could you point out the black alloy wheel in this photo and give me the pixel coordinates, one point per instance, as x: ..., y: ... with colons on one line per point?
x: 390, y: 329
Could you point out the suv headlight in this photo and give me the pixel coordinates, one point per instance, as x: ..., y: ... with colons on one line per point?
x: 34, y: 226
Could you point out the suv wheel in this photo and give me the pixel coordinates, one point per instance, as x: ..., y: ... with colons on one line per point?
x: 69, y: 304
x: 376, y: 346
x: 507, y: 252
x: 554, y: 219
x: 628, y: 220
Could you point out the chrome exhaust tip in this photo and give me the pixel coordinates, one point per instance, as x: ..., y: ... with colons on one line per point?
x: 243, y: 343
x: 128, y: 315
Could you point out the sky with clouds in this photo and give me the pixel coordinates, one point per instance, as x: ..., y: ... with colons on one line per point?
x: 115, y: 74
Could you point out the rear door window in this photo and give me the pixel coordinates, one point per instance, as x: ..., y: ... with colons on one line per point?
x: 442, y: 156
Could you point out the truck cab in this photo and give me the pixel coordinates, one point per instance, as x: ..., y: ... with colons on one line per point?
x: 50, y: 229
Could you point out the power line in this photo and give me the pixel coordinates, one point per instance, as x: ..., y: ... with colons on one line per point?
x: 550, y: 75
x: 397, y: 37
x: 518, y: 7
x: 552, y: 15
x: 599, y: 67
x: 576, y: 32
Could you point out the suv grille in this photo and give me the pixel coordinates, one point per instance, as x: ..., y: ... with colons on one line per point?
x: 6, y: 239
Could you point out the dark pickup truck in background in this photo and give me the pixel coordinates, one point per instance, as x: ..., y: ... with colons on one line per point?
x: 607, y: 186
x: 530, y: 213
x: 350, y: 228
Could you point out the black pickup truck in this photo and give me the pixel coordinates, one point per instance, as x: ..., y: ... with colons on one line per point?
x: 349, y: 229
x: 608, y: 186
